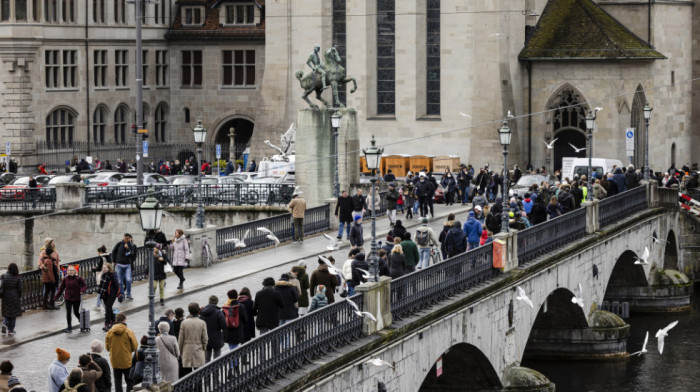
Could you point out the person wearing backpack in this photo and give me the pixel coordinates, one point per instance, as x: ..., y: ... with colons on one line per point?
x: 425, y: 238
x: 236, y: 319
x: 74, y: 382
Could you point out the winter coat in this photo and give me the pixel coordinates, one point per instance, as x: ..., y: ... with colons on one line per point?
x: 47, y: 271
x: 358, y: 203
x: 554, y: 210
x: 193, y: 341
x: 297, y: 207
x: 249, y: 327
x: 290, y: 297
x: 410, y: 250
x: 322, y: 276
x: 180, y: 249
x: 577, y: 193
x: 120, y: 342
x: 122, y: 255
x: 538, y: 213
x: 236, y: 335
x: 357, y: 275
x: 91, y: 373
x: 424, y: 189
x: 356, y: 235
x: 431, y: 236
x: 347, y: 269
x: 216, y: 322
x: 377, y: 203
x: 493, y: 222
x: 344, y: 209
x: 567, y: 201
x: 391, y: 198
x: 267, y: 304
x: 303, y: 279
x: 620, y: 180
x: 479, y: 200
x: 398, y: 231
x: 631, y: 179
x: 527, y: 205
x: 73, y: 287
x: 318, y: 301
x: 599, y: 192
x: 472, y: 229
x: 104, y: 383
x: 449, y: 184
x: 456, y: 241
x: 446, y: 226
x: 168, y: 353
x: 383, y: 267
x: 397, y: 262
x: 11, y: 295
x: 58, y: 373
x: 159, y: 267
x: 109, y: 286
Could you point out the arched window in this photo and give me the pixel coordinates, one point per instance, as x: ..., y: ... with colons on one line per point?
x: 60, y: 125
x: 187, y: 115
x: 121, y: 116
x: 161, y: 121
x: 146, y: 112
x: 673, y: 154
x: 99, y: 123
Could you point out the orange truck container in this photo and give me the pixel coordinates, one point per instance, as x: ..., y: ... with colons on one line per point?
x: 363, y: 165
x: 398, y: 164
x: 441, y: 163
x: 420, y: 162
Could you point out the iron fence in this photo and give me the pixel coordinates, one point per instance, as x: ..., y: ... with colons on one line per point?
x: 541, y: 239
x: 41, y: 199
x: 621, y: 206
x: 421, y: 289
x: 316, y: 220
x: 255, y: 364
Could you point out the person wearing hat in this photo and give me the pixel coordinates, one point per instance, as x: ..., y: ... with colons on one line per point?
x: 298, y: 207
x: 356, y: 234
x: 58, y: 373
x: 392, y: 197
x: 472, y: 229
x: 215, y: 320
x: 14, y: 385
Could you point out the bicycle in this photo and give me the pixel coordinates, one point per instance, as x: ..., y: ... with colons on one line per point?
x: 207, y: 255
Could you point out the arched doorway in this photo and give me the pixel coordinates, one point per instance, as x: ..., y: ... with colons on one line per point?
x: 464, y: 368
x: 639, y: 124
x: 670, y: 253
x: 568, y: 123
x: 562, y: 147
x: 243, y: 130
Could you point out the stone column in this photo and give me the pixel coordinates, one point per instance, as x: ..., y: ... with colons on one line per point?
x: 332, y: 202
x: 509, y: 246
x: 376, y: 300
x: 196, y: 243
x: 69, y: 196
x: 592, y: 221
x: 652, y: 193
x: 232, y: 144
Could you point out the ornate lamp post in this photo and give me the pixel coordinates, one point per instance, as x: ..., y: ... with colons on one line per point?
x: 504, y: 134
x: 200, y: 135
x: 151, y: 214
x: 647, y: 117
x: 335, y: 123
x: 373, y: 156
x: 590, y: 124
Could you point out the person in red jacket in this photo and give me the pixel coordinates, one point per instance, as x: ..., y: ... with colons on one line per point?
x: 73, y: 285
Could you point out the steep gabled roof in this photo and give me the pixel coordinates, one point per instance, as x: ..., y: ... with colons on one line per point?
x: 211, y: 29
x: 581, y: 30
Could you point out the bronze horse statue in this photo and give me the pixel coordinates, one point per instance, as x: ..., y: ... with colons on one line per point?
x: 335, y: 76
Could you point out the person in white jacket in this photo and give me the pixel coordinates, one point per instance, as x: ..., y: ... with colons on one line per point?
x: 347, y: 270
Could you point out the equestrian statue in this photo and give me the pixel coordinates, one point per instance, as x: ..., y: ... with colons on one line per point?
x: 323, y: 75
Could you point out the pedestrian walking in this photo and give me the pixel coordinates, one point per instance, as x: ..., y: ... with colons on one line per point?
x: 425, y: 239
x: 11, y: 294
x: 14, y: 385
x: 74, y: 382
x: 91, y: 371
x: 410, y: 250
x: 424, y: 191
x: 104, y: 383
x: 392, y: 198
x: 400, y: 202
x: 216, y: 323
x: 399, y: 230
x: 58, y: 373
x: 397, y: 262
x: 109, y: 291
x: 377, y: 205
x: 33, y: 190
x: 124, y: 255
x: 168, y: 353
x: 160, y: 260
x: 236, y: 320
x: 303, y: 278
x: 104, y: 257
x: 290, y: 298
x: 410, y: 197
x: 180, y: 248
x: 356, y: 233
x: 121, y: 342
x: 6, y: 368
x: 446, y: 226
x: 266, y: 307
x: 359, y: 262
x: 449, y: 185
x: 193, y: 340
x: 73, y: 286
x: 246, y: 301
x: 455, y: 240
x: 344, y: 213
x: 298, y: 208
x: 320, y: 299
x: 359, y: 206
x: 472, y: 229
x: 48, y: 264
x: 322, y: 277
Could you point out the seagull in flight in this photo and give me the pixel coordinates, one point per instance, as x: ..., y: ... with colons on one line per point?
x: 332, y: 269
x: 239, y: 243
x: 510, y: 115
x: 380, y: 362
x: 496, y: 35
x: 578, y: 299
x: 465, y: 115
x: 357, y: 311
x: 644, y: 347
x: 643, y: 260
x: 576, y: 148
x: 332, y: 242
x: 270, y: 235
x: 657, y: 241
x: 522, y: 296
x: 550, y: 145
x: 365, y: 273
x: 662, y: 333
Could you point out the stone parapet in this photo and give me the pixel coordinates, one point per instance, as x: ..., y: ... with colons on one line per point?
x: 509, y: 246
x: 592, y: 220
x: 377, y: 300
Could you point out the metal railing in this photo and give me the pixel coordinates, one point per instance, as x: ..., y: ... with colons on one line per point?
x: 421, y: 289
x: 286, y: 348
x: 186, y: 195
x: 621, y: 206
x: 541, y: 239
x: 28, y: 199
x: 32, y: 289
x: 316, y: 220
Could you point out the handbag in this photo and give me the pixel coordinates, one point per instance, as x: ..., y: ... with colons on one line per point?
x: 167, y: 268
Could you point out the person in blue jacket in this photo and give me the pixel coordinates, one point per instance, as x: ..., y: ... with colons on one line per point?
x: 472, y: 229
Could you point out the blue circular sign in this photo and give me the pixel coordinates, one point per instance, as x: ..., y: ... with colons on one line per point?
x: 630, y: 134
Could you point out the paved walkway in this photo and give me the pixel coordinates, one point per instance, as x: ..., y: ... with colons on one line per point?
x: 38, y: 324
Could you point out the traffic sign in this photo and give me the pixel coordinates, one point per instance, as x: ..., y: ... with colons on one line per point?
x: 218, y: 151
x: 7, y: 148
x: 142, y: 131
x: 629, y: 141
x: 145, y: 149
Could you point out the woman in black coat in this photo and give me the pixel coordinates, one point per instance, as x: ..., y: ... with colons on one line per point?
x: 11, y: 293
x: 246, y: 299
x: 399, y: 230
x: 397, y: 261
x: 159, y: 276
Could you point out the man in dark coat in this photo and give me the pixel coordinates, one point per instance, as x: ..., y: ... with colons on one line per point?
x: 322, y: 276
x: 577, y: 193
x: 216, y: 322
x: 358, y: 276
x: 104, y: 383
x: 356, y: 234
x: 619, y: 179
x: 343, y: 211
x: 124, y: 255
x: 389, y: 176
x: 359, y: 204
x: 424, y: 191
x: 456, y: 240
x: 290, y: 299
x: 631, y: 178
x: 266, y: 307
x: 464, y: 179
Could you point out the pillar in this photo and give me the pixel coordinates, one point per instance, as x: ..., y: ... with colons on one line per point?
x: 333, y: 222
x: 376, y: 300
x: 505, y: 247
x: 592, y: 221
x: 69, y: 196
x: 652, y: 193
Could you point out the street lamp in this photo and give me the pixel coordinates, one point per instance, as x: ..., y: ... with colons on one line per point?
x: 504, y: 133
x: 373, y: 157
x: 151, y: 213
x: 200, y: 135
x: 647, y: 117
x: 590, y: 124
x: 335, y: 123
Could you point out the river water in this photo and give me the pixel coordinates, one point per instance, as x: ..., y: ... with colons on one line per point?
x: 678, y: 369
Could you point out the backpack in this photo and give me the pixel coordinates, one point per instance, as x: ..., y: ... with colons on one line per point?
x: 422, y: 237
x: 68, y: 388
x: 231, y: 314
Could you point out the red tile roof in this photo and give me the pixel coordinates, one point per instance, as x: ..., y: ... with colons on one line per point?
x: 211, y: 29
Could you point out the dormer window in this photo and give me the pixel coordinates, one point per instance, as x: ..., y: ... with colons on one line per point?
x: 240, y: 14
x: 193, y: 16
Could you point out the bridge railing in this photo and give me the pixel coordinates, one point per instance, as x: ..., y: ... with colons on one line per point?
x: 541, y: 239
x: 316, y: 220
x: 41, y: 199
x: 421, y: 289
x: 621, y: 206
x: 254, y: 364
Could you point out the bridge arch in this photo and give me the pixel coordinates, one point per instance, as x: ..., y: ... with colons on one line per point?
x: 671, y: 252
x: 627, y: 274
x: 464, y: 368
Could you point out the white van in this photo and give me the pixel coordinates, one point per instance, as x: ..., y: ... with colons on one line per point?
x: 579, y: 166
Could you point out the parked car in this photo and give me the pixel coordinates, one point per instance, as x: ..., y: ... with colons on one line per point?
x: 103, y: 179
x: 65, y: 179
x: 6, y: 178
x: 245, y: 176
x: 524, y: 183
x: 16, y: 190
x: 127, y: 187
x: 278, y: 189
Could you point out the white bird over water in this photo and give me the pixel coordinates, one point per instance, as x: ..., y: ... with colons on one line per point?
x: 644, y: 347
x: 643, y: 260
x: 270, y: 235
x: 578, y: 299
x: 239, y: 243
x: 358, y: 313
x: 522, y: 296
x: 380, y: 362
x: 332, y: 242
x: 662, y: 333
x: 657, y: 241
x: 576, y: 148
x: 550, y: 145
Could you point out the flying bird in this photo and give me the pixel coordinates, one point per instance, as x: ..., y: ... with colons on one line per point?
x: 576, y: 148
x: 239, y: 243
x: 550, y: 145
x: 332, y: 242
x: 365, y: 273
x: 662, y: 333
x: 510, y: 115
x: 522, y: 296
x: 495, y: 35
x: 657, y: 241
x: 357, y: 311
x: 597, y: 109
x: 332, y: 269
x: 644, y: 347
x: 465, y: 115
x: 578, y: 299
x: 643, y: 260
x: 270, y: 235
x: 380, y: 362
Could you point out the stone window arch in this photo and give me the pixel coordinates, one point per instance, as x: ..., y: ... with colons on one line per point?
x: 161, y: 120
x: 121, y: 118
x: 60, y: 126
x: 99, y: 124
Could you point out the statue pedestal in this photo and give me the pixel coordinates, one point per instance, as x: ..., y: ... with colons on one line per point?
x: 315, y: 163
